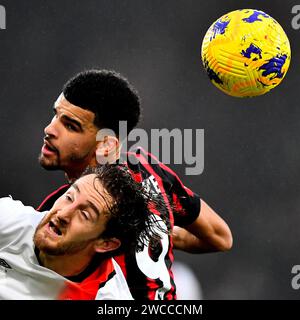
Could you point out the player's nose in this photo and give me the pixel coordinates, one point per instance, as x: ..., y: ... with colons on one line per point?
x: 64, y: 215
x: 51, y: 129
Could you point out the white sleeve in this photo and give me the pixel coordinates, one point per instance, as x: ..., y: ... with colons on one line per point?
x: 14, y: 216
x: 116, y: 288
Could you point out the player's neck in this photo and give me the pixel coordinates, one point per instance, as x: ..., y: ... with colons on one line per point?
x: 73, y: 174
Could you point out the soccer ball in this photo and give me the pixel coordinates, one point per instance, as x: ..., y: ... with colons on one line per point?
x: 246, y: 53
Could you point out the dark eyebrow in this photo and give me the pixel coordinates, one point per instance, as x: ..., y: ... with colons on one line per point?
x: 77, y: 123
x: 68, y: 118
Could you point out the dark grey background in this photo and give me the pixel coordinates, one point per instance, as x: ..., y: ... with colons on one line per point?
x: 252, y: 154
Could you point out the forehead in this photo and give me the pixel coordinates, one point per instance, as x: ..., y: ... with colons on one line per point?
x: 89, y: 180
x: 90, y: 189
x: 64, y: 106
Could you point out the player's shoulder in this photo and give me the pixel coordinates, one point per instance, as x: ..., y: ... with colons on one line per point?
x: 8, y: 204
x: 143, y: 155
x: 148, y: 160
x: 144, y: 164
x: 14, y: 214
x: 113, y: 285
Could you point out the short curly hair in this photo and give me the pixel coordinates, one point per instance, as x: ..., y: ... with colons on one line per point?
x: 129, y: 208
x: 108, y: 95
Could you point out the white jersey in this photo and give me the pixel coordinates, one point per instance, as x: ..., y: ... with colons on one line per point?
x: 22, y: 277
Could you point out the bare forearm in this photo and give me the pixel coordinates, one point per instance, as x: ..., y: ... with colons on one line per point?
x: 186, y: 241
x: 208, y: 233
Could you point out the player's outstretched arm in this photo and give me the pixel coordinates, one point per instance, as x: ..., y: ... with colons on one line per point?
x: 208, y: 233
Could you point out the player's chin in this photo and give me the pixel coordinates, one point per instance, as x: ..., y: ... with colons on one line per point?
x: 48, y: 164
x: 48, y: 248
x: 46, y: 244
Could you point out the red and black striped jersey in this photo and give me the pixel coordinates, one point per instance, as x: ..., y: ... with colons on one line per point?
x: 148, y: 272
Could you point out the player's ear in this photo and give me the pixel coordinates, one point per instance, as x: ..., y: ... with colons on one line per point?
x: 108, y: 146
x: 105, y: 245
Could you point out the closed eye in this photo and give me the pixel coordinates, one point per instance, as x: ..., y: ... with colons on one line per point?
x: 85, y: 215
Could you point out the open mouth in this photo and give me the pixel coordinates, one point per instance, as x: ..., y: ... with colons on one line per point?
x: 54, y: 228
x: 48, y: 149
x: 49, y: 146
